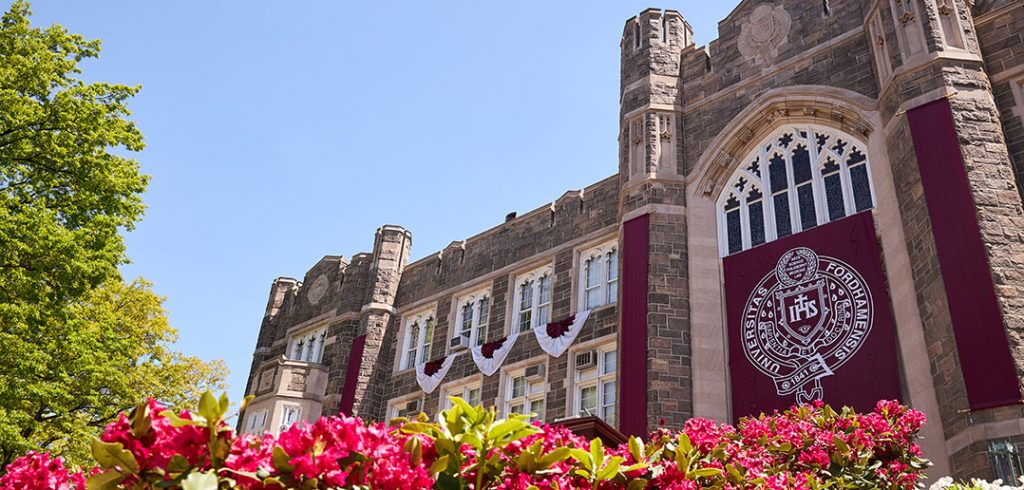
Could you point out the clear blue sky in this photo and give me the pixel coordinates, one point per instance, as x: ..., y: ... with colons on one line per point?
x: 280, y: 132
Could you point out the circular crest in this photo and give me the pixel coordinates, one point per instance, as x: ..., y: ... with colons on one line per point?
x: 805, y: 319
x: 317, y: 289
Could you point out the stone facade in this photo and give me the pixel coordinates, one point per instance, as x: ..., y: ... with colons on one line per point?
x: 688, y: 116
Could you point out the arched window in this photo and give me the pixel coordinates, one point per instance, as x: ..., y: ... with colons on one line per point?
x: 796, y: 179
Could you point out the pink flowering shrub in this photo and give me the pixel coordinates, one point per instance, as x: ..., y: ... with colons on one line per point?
x: 810, y: 446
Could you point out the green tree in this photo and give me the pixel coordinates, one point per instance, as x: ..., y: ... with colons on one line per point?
x: 78, y: 344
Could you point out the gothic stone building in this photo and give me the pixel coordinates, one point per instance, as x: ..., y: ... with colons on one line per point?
x: 800, y: 115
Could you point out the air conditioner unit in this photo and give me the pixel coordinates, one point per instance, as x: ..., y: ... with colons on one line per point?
x: 535, y: 372
x: 586, y: 359
x: 460, y: 342
x: 412, y: 409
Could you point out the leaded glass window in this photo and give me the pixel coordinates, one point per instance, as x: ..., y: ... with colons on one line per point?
x: 796, y: 179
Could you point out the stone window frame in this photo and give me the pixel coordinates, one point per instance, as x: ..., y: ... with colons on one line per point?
x: 1017, y: 88
x: 745, y: 177
x: 537, y: 309
x: 393, y: 405
x: 461, y: 387
x: 478, y: 299
x: 302, y: 339
x: 422, y: 341
x: 251, y: 418
x: 575, y: 386
x: 286, y: 410
x: 607, y: 287
x: 506, y: 386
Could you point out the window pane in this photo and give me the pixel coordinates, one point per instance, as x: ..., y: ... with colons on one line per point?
x: 524, y: 320
x: 756, y: 220
x: 526, y: 295
x: 613, y: 265
x: 808, y: 216
x: 834, y: 196
x: 801, y: 165
x: 544, y: 315
x: 608, y: 414
x: 593, y: 298
x: 588, y: 400
x: 782, y: 224
x: 861, y: 187
x: 518, y: 386
x: 467, y: 319
x: 482, y: 316
x: 593, y: 272
x: 516, y: 408
x: 545, y: 289
x: 609, y: 362
x: 473, y: 396
x: 777, y: 173
x: 537, y: 408
x: 732, y: 222
x: 613, y: 292
x: 608, y: 393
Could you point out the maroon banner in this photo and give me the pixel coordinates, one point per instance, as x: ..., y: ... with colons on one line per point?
x: 355, y: 362
x: 633, y: 331
x: 985, y: 359
x: 809, y: 319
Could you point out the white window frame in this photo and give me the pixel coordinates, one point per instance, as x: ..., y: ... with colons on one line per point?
x: 477, y: 334
x: 538, y: 311
x: 598, y: 382
x: 462, y: 389
x: 763, y: 152
x: 424, y: 321
x: 307, y: 345
x: 398, y: 404
x: 605, y: 257
x: 535, y: 391
x: 290, y: 415
x: 256, y: 421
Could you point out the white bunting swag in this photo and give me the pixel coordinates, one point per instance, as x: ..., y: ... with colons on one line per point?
x: 489, y: 365
x: 437, y: 369
x: 555, y: 338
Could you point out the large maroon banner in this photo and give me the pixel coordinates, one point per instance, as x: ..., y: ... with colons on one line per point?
x: 355, y: 362
x: 985, y: 359
x: 809, y: 319
x: 633, y: 340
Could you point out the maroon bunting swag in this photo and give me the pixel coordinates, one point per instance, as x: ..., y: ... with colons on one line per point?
x: 809, y: 319
x: 984, y: 352
x: 355, y: 361
x: 633, y: 343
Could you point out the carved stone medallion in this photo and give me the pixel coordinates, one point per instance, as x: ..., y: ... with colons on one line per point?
x: 763, y: 33
x: 317, y: 289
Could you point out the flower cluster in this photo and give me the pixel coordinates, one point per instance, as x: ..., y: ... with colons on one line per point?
x: 809, y: 446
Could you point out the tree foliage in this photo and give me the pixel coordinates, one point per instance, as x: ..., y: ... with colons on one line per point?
x: 79, y: 345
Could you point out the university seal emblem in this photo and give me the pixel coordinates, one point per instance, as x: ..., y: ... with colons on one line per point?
x: 804, y: 320
x: 763, y: 33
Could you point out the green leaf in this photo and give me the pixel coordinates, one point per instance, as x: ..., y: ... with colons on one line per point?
x: 109, y: 480
x: 684, y: 443
x: 636, y: 484
x: 439, y: 465
x: 112, y: 455
x: 610, y: 470
x: 705, y: 472
x: 178, y: 464
x: 636, y: 449
x: 555, y: 456
x: 504, y: 428
x: 597, y: 452
x: 200, y: 481
x: 209, y: 408
x: 281, y: 460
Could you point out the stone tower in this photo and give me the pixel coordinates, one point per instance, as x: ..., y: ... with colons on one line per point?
x: 653, y: 185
